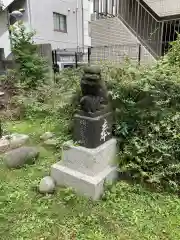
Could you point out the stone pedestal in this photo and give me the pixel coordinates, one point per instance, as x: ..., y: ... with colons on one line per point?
x: 85, y: 169
x: 91, y: 131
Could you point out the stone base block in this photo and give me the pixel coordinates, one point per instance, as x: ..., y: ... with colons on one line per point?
x: 91, y: 132
x: 89, y: 161
x: 12, y: 141
x: 90, y: 186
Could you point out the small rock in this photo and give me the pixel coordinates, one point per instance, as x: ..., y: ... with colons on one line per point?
x: 51, y: 142
x: 2, y: 94
x: 47, y: 185
x: 17, y: 140
x: 18, y: 157
x: 46, y: 136
x: 12, y: 141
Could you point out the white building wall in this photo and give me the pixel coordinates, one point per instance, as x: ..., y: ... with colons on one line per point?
x: 4, y: 33
x: 87, y: 19
x: 38, y: 16
x: 41, y: 19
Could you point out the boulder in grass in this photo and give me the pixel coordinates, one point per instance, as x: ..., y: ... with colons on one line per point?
x: 17, y: 140
x: 47, y: 185
x: 12, y: 141
x: 20, y: 156
x: 46, y: 136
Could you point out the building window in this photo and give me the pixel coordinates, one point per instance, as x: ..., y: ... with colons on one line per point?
x: 60, y: 23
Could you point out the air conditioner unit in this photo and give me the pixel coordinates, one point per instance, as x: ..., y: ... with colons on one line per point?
x: 63, y: 65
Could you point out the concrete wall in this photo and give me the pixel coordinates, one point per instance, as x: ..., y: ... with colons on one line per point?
x: 120, y: 41
x: 164, y: 7
x: 41, y: 19
x: 4, y: 34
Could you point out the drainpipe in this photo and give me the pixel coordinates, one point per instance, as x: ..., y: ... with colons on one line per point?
x: 77, y: 29
x: 29, y: 13
x: 82, y: 9
x: 137, y: 19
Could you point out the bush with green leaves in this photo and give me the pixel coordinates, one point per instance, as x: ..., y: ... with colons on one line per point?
x: 32, y: 68
x: 56, y: 101
x: 147, y: 101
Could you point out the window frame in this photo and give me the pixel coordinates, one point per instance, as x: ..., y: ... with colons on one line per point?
x: 59, y: 15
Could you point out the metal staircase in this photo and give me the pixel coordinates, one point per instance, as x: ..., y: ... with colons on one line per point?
x: 154, y: 32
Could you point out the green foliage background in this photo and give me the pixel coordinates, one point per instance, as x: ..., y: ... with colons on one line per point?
x: 146, y: 99
x: 32, y: 69
x: 147, y: 102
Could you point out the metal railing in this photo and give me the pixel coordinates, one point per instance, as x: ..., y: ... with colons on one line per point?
x: 71, y: 57
x: 115, y: 53
x: 154, y: 33
x: 97, y: 55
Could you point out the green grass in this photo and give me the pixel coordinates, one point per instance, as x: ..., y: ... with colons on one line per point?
x: 127, y: 212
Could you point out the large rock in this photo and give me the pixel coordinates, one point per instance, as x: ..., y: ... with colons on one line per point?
x: 47, y: 185
x: 18, y: 157
x: 12, y: 141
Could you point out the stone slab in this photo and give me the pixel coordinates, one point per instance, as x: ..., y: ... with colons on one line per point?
x: 12, y: 141
x: 89, y: 186
x: 89, y: 161
x: 92, y: 132
x: 17, y: 158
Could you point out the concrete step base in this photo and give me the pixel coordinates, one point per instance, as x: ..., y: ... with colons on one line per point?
x: 90, y: 186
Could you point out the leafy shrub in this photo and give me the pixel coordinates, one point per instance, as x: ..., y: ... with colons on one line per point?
x: 48, y: 99
x: 148, y: 118
x: 31, y: 67
x: 9, y: 81
x: 56, y: 102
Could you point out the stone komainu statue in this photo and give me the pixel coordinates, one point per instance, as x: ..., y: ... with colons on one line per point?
x: 94, y: 92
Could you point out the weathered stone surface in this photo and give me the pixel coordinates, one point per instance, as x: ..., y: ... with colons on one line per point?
x: 94, y: 91
x: 47, y: 185
x: 92, y: 132
x: 12, y: 141
x: 89, y: 186
x: 92, y: 69
x: 89, y: 161
x: 86, y: 170
x: 17, y: 140
x: 46, y: 136
x: 51, y: 142
x: 18, y: 157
